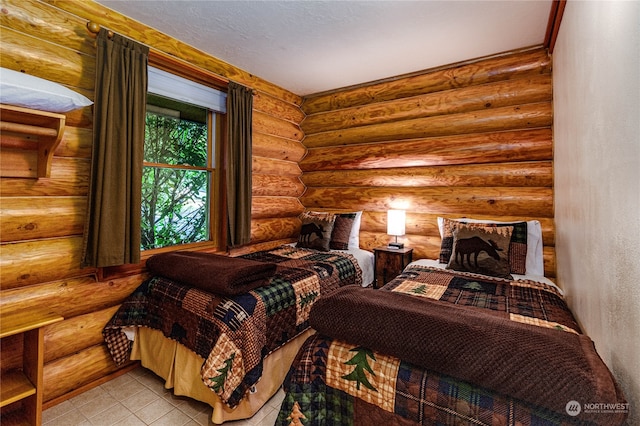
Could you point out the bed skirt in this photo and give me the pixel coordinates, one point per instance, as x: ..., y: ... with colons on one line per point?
x: 180, y: 368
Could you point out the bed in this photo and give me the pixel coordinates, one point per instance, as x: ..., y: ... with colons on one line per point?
x: 443, y: 346
x: 230, y: 347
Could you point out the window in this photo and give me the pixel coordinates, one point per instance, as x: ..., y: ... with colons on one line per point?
x: 179, y: 180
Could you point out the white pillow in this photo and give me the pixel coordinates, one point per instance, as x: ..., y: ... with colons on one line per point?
x: 354, y: 237
x: 535, y: 259
x: 20, y: 89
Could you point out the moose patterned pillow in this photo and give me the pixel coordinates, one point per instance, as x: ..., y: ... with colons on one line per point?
x: 316, y: 231
x: 482, y: 250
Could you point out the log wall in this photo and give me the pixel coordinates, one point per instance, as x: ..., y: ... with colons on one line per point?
x: 42, y: 220
x: 472, y: 140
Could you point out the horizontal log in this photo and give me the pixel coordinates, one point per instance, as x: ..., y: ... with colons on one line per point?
x: 121, y: 24
x: 72, y: 297
x: 277, y: 148
x: 76, y: 334
x: 264, y: 230
x: 535, y: 202
x: 81, y: 118
x: 29, y: 218
x: 264, y: 207
x: 53, y: 25
x: 40, y: 261
x: 471, y: 175
x: 66, y: 374
x: 479, y: 148
x: 271, y: 105
x: 275, y: 126
x: 274, y: 185
x: 492, y: 95
x: 526, y: 116
x: 76, y: 142
x: 50, y: 61
x: 270, y: 166
x: 69, y: 177
x: 498, y: 68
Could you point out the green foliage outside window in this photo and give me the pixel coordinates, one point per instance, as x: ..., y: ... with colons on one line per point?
x: 175, y: 182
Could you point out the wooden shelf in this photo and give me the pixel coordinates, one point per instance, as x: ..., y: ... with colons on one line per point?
x: 28, y: 139
x: 15, y: 386
x: 25, y: 386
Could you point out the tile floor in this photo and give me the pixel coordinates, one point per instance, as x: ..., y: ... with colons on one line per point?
x: 139, y: 398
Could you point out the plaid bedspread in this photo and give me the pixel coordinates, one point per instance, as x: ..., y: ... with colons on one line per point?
x: 234, y: 334
x: 341, y: 382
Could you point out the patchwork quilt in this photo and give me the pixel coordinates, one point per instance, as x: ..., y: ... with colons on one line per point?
x: 234, y: 334
x: 439, y: 347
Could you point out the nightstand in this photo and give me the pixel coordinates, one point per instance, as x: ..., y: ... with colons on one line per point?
x: 389, y: 263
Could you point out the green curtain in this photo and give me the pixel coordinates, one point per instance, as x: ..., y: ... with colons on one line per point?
x: 112, y: 227
x: 239, y: 116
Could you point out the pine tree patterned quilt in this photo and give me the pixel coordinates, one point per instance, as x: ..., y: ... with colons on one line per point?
x: 234, y: 334
x: 437, y: 347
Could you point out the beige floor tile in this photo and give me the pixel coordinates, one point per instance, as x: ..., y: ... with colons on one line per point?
x: 90, y: 395
x: 97, y: 405
x: 140, y: 400
x: 127, y: 390
x: 131, y: 420
x: 113, y: 415
x: 72, y: 417
x: 153, y: 411
x: 174, y: 417
x: 57, y: 411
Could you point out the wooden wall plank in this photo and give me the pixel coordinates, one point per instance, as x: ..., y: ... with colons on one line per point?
x: 500, y: 67
x: 265, y: 145
x: 69, y: 177
x: 286, y: 186
x: 54, y: 62
x: 465, y: 99
x: 75, y: 334
x: 71, y: 372
x: 473, y: 148
x: 501, y: 201
x: 270, y: 166
x: 71, y: 297
x: 539, y: 173
x: 264, y: 207
x: 526, y: 116
x: 270, y: 146
x: 30, y: 218
x: 32, y: 262
x: 264, y: 123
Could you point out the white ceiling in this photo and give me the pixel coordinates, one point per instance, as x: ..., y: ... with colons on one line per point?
x: 313, y: 46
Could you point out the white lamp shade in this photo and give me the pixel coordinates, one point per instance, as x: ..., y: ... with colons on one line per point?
x: 395, y: 222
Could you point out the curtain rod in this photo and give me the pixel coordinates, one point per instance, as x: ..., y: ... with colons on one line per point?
x: 94, y: 28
